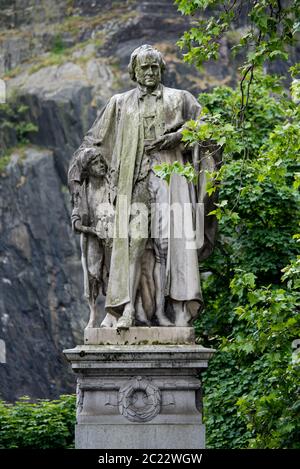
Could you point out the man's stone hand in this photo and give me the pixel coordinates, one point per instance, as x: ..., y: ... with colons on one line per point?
x: 84, y: 229
x: 166, y: 142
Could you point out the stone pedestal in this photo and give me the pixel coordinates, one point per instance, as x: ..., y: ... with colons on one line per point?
x: 144, y: 395
x: 140, y: 336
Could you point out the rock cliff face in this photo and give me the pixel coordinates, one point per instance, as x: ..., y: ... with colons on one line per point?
x: 40, y: 304
x: 62, y: 60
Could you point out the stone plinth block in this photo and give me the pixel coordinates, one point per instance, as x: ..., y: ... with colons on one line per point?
x: 139, y: 396
x: 139, y: 336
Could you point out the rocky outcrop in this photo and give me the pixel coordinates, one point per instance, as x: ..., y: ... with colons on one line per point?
x: 40, y: 307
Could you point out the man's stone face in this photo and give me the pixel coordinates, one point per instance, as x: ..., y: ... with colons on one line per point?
x: 147, y: 70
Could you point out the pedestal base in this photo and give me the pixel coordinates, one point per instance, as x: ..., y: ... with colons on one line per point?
x: 91, y: 436
x: 139, y: 396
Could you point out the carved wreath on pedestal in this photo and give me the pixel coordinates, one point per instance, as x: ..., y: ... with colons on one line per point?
x: 139, y: 400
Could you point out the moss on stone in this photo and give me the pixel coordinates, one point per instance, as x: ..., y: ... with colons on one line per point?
x: 54, y: 58
x: 4, y: 161
x: 75, y: 24
x: 13, y: 72
x: 19, y: 150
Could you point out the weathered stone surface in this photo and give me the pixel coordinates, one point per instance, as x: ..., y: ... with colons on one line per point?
x: 129, y: 436
x: 39, y: 278
x: 139, y: 396
x: 139, y: 336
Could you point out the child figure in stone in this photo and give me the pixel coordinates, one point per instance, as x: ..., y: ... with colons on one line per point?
x: 92, y: 216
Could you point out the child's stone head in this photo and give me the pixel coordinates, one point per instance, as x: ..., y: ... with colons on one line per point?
x: 93, y: 164
x: 97, y: 167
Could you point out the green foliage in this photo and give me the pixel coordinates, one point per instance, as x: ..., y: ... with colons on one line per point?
x: 42, y: 425
x: 165, y: 171
x: 4, y: 161
x: 272, y: 28
x: 252, y: 387
x: 13, y: 115
x: 273, y: 25
x: 14, y: 120
x: 58, y: 45
x: 23, y: 129
x: 251, y: 317
x: 220, y: 116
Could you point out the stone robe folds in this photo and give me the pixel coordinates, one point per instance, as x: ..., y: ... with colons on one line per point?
x: 118, y: 137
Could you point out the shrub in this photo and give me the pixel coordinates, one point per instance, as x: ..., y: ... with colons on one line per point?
x: 43, y: 424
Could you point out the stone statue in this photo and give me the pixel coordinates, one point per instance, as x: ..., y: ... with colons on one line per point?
x: 119, y: 202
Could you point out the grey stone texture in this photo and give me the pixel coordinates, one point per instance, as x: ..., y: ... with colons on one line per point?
x: 141, y: 396
x: 139, y: 336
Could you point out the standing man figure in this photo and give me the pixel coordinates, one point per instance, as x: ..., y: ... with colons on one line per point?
x: 137, y: 130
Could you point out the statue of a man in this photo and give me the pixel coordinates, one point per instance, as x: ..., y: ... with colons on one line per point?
x: 148, y: 279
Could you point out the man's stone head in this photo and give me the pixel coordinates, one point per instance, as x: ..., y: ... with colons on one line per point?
x: 146, y: 66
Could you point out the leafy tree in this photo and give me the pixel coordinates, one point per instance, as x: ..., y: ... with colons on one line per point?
x: 271, y: 29
x: 252, y: 291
